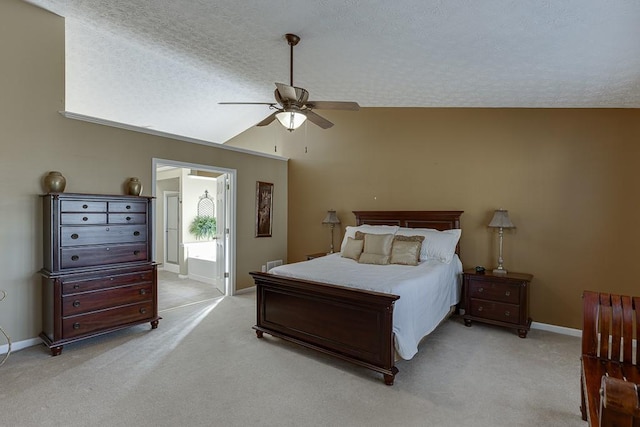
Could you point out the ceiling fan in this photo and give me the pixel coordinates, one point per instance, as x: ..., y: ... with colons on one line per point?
x: 292, y: 103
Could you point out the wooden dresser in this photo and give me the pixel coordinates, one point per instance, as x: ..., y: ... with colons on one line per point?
x: 498, y: 299
x: 98, y: 275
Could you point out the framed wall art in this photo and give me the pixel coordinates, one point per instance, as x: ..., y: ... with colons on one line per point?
x: 264, y: 207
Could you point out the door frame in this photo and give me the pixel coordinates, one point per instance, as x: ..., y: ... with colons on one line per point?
x: 167, y: 266
x: 230, y: 283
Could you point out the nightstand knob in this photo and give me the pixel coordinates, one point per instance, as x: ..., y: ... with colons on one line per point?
x: 507, y: 293
x: 76, y: 325
x: 480, y: 289
x: 76, y: 303
x: 480, y: 308
x: 506, y: 313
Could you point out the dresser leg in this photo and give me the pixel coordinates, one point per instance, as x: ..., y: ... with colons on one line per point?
x: 467, y: 322
x: 522, y: 333
x: 259, y: 334
x: 55, y: 351
x: 154, y: 324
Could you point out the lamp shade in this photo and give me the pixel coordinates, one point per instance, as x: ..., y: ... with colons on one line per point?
x: 331, y: 218
x: 292, y: 120
x: 501, y: 220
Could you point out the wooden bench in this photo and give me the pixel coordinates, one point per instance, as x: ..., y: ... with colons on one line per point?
x: 610, y: 365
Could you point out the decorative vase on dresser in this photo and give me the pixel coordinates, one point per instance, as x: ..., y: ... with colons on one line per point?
x: 98, y: 275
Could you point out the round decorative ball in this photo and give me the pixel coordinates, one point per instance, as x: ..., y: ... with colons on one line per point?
x: 134, y: 187
x: 54, y: 182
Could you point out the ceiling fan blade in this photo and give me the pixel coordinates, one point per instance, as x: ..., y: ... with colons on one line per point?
x: 246, y: 103
x: 269, y: 119
x: 291, y: 94
x: 333, y: 105
x: 318, y: 120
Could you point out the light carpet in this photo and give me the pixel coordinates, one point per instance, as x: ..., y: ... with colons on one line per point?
x: 204, y: 366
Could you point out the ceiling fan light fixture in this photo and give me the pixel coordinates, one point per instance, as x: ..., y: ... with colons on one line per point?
x: 291, y: 120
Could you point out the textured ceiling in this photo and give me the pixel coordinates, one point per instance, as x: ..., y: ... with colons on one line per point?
x: 165, y: 64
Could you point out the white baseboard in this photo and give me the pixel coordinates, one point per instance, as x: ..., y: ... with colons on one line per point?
x: 15, y: 346
x: 557, y: 329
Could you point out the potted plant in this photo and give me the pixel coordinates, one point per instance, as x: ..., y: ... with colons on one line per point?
x: 203, y: 227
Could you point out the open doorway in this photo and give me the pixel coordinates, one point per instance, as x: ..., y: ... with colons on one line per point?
x: 194, y: 224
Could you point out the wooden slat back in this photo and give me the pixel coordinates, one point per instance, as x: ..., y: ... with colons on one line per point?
x: 610, y: 326
x: 636, y: 307
x: 591, y: 304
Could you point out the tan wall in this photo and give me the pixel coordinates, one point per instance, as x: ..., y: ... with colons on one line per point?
x: 568, y: 178
x: 35, y: 138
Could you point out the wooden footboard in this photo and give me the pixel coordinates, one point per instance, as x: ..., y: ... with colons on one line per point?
x: 351, y: 324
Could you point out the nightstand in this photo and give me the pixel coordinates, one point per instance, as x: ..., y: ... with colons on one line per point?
x: 498, y: 299
x: 316, y: 255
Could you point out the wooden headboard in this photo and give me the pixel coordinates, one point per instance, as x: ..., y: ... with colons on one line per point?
x: 439, y: 220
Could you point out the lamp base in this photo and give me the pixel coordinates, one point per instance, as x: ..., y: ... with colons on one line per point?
x: 499, y: 271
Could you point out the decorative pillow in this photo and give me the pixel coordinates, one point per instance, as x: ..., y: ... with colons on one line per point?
x: 377, y: 249
x: 406, y: 250
x: 378, y: 259
x: 350, y: 231
x: 438, y: 245
x: 353, y: 249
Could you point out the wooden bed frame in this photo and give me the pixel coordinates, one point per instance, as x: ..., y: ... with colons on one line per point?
x: 352, y: 324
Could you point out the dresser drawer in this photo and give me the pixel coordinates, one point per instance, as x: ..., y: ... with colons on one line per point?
x: 83, y: 218
x: 127, y: 218
x: 495, y: 310
x: 127, y: 207
x: 86, y: 256
x: 494, y: 291
x: 74, y: 286
x: 92, y: 235
x: 112, y: 297
x: 82, y: 206
x: 75, y: 326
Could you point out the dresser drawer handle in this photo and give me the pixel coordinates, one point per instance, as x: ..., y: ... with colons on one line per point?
x: 108, y: 249
x: 143, y: 291
x: 136, y: 233
x: 480, y: 290
x: 480, y: 308
x: 76, y: 303
x: 76, y: 325
x: 136, y: 252
x: 128, y: 218
x: 84, y: 218
x: 75, y: 258
x: 76, y: 286
x: 143, y: 310
x: 74, y: 236
x: 508, y: 293
x: 128, y: 206
x: 507, y: 314
x: 85, y: 206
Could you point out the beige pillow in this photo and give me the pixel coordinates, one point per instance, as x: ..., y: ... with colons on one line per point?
x: 405, y: 252
x: 377, y: 249
x: 353, y: 249
x: 366, y: 258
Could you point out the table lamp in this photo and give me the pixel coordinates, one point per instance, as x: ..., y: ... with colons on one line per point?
x: 500, y: 221
x: 331, y: 219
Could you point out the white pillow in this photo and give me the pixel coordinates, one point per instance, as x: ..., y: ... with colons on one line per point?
x: 438, y: 245
x: 350, y: 231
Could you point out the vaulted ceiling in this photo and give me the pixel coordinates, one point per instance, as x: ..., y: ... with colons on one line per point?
x: 166, y: 64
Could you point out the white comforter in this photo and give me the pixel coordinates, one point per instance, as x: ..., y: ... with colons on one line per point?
x: 427, y: 291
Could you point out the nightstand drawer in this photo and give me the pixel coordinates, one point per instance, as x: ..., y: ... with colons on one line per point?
x: 494, y: 291
x: 495, y: 310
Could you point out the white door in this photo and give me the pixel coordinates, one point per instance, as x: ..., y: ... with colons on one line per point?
x: 222, y: 188
x: 172, y: 242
